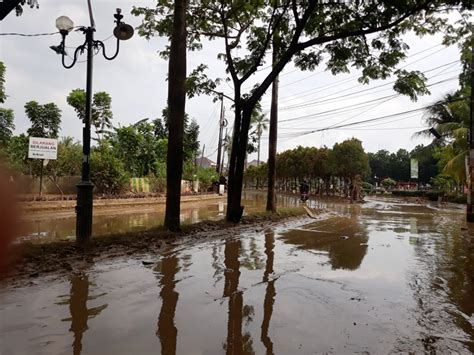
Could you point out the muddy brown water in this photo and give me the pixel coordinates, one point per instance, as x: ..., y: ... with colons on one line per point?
x: 53, y: 225
x: 376, y: 278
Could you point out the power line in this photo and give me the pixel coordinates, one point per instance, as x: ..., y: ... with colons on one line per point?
x: 349, y: 108
x: 340, y: 82
x: 319, y: 101
x: 28, y: 35
x: 380, y: 118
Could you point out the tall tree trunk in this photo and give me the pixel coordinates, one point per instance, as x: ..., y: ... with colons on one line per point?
x: 176, y: 105
x: 272, y: 139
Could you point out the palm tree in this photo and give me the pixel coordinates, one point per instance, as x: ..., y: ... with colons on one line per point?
x: 260, y: 122
x: 450, y: 117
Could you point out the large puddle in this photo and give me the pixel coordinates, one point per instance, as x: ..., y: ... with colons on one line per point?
x: 52, y: 226
x: 377, y: 278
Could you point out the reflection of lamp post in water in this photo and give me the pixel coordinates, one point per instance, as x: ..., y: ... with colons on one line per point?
x: 167, y: 331
x: 84, y: 188
x: 79, y: 311
x: 270, y: 292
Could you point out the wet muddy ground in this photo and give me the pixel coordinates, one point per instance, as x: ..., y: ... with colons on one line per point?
x: 382, y: 277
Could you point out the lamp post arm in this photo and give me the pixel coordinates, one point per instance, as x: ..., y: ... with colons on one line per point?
x: 78, y: 50
x: 102, y: 45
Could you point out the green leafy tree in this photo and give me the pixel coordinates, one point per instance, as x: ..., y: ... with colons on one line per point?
x: 6, y: 126
x: 45, y: 119
x: 3, y: 96
x: 6, y: 115
x: 68, y: 162
x: 108, y: 172
x: 260, y: 125
x: 389, y: 182
x: 365, y: 35
x: 102, y: 114
x: 17, y: 154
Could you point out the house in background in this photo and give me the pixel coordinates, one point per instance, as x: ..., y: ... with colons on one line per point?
x: 205, y: 163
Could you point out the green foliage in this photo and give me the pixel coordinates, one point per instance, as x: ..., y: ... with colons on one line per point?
x: 206, y: 177
x: 107, y: 171
x: 3, y: 95
x: 31, y: 4
x: 6, y: 126
x: 389, y: 182
x: 17, y: 154
x: 45, y: 119
x: 101, y: 109
x: 69, y: 160
x: 157, y: 180
x: 137, y: 147
x: 348, y: 159
x: 408, y: 193
x: 191, y: 134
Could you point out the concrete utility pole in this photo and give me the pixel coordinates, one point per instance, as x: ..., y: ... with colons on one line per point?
x: 221, y: 129
x: 470, y: 193
x: 202, y: 155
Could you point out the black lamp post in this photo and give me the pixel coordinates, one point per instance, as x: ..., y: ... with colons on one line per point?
x: 122, y: 31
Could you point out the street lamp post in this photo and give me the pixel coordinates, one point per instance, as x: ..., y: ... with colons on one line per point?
x: 85, y: 187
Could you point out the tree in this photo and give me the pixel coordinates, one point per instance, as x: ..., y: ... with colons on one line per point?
x: 6, y: 126
x: 6, y: 115
x: 17, y: 154
x: 45, y: 119
x: 261, y: 124
x: 108, y: 172
x: 68, y: 162
x: 101, y: 109
x: 339, y: 29
x: 389, y: 182
x: 176, y: 104
x: 3, y: 96
x: 138, y: 147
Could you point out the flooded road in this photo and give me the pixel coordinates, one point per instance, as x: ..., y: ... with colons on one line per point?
x: 54, y: 226
x: 376, y: 278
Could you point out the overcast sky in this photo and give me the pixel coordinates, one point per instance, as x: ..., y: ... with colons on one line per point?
x: 136, y: 80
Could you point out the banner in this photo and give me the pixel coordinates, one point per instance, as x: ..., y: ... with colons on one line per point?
x: 413, y: 168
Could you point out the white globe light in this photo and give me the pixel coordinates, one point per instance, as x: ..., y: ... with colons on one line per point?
x: 64, y: 23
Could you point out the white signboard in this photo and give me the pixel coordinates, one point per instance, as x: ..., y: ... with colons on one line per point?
x: 413, y: 168
x: 43, y: 148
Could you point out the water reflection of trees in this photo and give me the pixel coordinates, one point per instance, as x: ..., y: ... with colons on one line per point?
x: 270, y: 292
x: 236, y: 343
x: 344, y: 239
x: 167, y: 331
x: 80, y: 314
x: 447, y: 296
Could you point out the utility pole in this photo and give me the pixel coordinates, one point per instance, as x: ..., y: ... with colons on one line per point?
x: 272, y: 139
x: 224, y: 148
x: 202, y: 155
x: 221, y: 129
x: 470, y: 193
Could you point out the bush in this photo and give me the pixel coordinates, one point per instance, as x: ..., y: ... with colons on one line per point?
x: 388, y: 182
x: 367, y: 186
x: 458, y: 199
x: 108, y: 172
x: 408, y: 193
x: 158, y: 179
x: 433, y: 195
x: 206, y: 177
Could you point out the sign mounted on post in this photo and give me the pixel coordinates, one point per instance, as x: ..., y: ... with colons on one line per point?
x: 43, y: 148
x: 414, y: 168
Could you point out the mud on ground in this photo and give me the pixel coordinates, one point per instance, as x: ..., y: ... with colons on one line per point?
x: 30, y: 260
